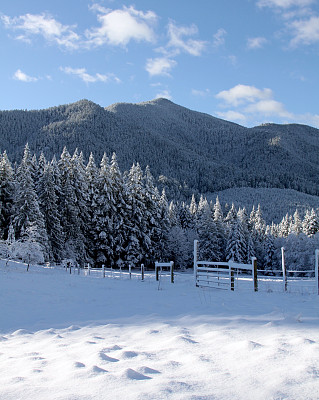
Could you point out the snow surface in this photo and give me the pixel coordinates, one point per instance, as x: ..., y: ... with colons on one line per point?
x: 82, y: 337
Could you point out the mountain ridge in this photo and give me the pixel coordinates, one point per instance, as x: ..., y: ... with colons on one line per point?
x: 205, y: 152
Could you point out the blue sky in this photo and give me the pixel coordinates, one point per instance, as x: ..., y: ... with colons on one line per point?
x: 247, y: 61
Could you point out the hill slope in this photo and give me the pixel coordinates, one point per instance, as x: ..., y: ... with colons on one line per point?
x: 207, y: 153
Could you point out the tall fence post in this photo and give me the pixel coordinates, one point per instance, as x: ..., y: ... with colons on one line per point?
x: 284, y: 269
x: 317, y: 269
x: 156, y: 271
x: 130, y: 270
x: 195, y: 260
x: 254, y: 271
x: 103, y: 269
x: 172, y: 271
x: 89, y: 269
x: 142, y: 271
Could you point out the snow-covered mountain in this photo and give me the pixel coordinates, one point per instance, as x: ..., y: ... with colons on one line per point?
x: 206, y: 153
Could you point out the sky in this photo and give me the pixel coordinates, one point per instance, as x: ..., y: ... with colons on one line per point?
x: 247, y: 61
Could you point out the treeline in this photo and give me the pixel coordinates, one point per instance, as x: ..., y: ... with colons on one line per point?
x: 52, y: 210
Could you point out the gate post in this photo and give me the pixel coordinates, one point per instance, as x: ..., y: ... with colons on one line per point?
x: 284, y: 269
x: 254, y: 271
x: 172, y: 271
x: 195, y: 260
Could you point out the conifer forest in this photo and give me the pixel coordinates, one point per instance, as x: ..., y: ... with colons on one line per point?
x: 91, y: 211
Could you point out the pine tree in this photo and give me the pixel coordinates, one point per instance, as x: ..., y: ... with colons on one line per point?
x: 70, y: 212
x: 28, y: 220
x: 7, y: 188
x: 48, y: 202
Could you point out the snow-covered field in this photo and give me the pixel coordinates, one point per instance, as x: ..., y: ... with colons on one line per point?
x: 81, y: 337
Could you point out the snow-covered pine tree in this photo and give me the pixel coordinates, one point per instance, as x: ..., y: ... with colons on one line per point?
x: 139, y: 241
x: 91, y: 176
x: 28, y: 220
x: 207, y: 233
x: 310, y: 223
x: 7, y: 188
x: 101, y: 218
x: 48, y: 202
x: 69, y: 211
x: 119, y: 214
x: 236, y: 246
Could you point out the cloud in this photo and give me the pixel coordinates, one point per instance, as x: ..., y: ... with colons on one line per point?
x: 159, y: 66
x: 256, y: 42
x: 253, y: 104
x: 87, y: 78
x: 284, y: 4
x: 200, y: 93
x: 119, y: 27
x: 42, y: 25
x: 269, y: 107
x: 21, y: 76
x: 177, y: 41
x: 219, y: 37
x: 242, y: 94
x: 164, y: 94
x: 305, y: 31
x: 232, y: 116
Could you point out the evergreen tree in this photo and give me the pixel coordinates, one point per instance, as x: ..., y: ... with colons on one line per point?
x: 27, y: 219
x: 7, y: 188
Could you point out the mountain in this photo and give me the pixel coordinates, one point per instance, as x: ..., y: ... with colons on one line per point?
x: 205, y: 152
x: 275, y: 203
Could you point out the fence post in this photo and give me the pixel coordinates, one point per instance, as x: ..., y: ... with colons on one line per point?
x: 142, y: 271
x: 103, y: 269
x: 254, y: 271
x: 156, y: 271
x: 284, y: 269
x: 317, y: 269
x: 130, y: 270
x: 89, y: 269
x: 195, y: 260
x: 172, y: 271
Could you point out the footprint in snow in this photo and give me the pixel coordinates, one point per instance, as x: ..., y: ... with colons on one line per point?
x: 105, y: 357
x: 78, y: 364
x: 148, y: 370
x: 112, y: 348
x: 187, y: 339
x: 134, y: 375
x: 129, y: 354
x: 97, y: 370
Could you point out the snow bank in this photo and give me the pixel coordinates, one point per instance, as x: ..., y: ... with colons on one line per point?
x: 69, y: 337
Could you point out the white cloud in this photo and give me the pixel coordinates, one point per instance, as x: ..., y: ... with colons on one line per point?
x: 119, y: 27
x: 179, y: 43
x: 160, y: 66
x: 284, y: 4
x: 21, y: 76
x: 252, y: 104
x: 269, y: 107
x: 164, y: 94
x: 240, y: 94
x: 305, y: 31
x: 256, y: 42
x: 200, y: 93
x: 43, y: 25
x: 219, y: 37
x: 232, y: 116
x: 87, y: 78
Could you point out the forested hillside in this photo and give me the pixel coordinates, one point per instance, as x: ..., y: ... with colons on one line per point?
x: 187, y: 149
x: 66, y: 208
